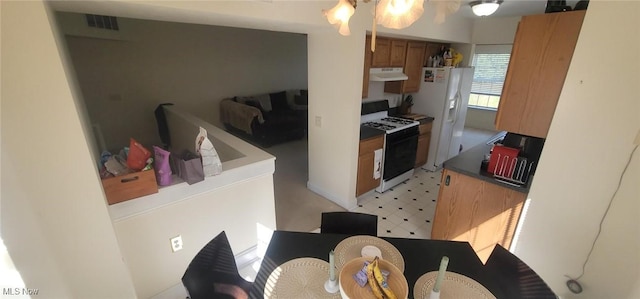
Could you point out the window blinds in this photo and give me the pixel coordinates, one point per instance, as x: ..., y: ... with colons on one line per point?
x: 490, y: 73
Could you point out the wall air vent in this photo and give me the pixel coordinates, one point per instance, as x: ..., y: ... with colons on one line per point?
x: 103, y: 22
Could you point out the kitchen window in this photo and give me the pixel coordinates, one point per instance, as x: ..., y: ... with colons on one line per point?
x: 491, y: 63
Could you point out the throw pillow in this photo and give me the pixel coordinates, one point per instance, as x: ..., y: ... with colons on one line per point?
x: 265, y: 101
x: 279, y: 101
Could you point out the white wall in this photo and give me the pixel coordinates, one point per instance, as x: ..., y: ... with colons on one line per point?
x: 333, y: 145
x: 193, y: 66
x: 494, y: 31
x: 480, y: 119
x: 55, y: 222
x: 589, y: 142
x: 144, y: 239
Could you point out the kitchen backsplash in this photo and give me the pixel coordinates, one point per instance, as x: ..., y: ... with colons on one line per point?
x: 376, y: 92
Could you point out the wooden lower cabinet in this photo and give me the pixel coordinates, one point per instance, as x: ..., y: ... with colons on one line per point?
x: 479, y: 212
x: 366, y: 155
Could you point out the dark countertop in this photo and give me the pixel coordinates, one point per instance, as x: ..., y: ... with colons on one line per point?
x: 469, y: 162
x: 367, y: 132
x: 428, y: 119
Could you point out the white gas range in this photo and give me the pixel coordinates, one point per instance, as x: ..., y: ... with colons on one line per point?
x: 400, y: 143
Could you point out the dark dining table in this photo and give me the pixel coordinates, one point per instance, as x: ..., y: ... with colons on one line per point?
x: 420, y: 256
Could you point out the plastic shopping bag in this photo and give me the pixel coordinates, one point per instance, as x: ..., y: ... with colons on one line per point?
x: 161, y: 166
x: 210, y: 159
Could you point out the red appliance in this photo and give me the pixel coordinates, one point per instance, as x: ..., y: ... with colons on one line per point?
x: 501, y: 159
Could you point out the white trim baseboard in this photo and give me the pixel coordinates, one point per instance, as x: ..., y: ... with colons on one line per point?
x: 347, y: 204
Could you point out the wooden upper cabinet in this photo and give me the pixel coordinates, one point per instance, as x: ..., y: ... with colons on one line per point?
x: 367, y: 66
x: 412, y: 68
x: 382, y: 55
x: 398, y: 52
x: 389, y: 52
x: 540, y: 59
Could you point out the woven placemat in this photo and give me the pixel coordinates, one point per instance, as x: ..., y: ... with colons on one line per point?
x: 299, y: 278
x: 351, y: 248
x: 454, y: 286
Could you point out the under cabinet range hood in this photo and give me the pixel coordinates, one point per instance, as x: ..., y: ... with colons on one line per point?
x: 387, y: 74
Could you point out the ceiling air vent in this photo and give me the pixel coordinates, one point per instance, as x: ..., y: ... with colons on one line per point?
x: 103, y: 22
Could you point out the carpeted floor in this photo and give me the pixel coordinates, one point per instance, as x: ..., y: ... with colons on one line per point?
x: 297, y: 208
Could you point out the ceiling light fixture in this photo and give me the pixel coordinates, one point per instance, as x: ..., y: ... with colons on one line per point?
x: 398, y: 14
x: 340, y: 15
x: 484, y: 8
x: 394, y: 14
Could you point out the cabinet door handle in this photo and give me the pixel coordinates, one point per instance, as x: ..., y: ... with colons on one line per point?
x: 447, y: 180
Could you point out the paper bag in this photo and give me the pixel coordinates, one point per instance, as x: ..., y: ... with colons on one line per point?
x: 210, y: 159
x: 188, y: 167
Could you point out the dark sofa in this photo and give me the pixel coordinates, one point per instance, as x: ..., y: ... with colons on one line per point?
x: 266, y: 119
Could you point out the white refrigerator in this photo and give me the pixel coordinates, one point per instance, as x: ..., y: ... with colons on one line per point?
x: 444, y: 95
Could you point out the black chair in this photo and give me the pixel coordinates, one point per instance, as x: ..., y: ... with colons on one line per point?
x: 519, y: 281
x: 349, y: 223
x: 213, y: 272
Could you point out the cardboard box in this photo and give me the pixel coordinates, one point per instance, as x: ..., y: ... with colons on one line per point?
x: 129, y: 186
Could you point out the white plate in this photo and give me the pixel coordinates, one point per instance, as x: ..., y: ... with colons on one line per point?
x: 370, y: 251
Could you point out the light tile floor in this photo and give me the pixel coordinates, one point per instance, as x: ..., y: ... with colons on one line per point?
x: 406, y: 210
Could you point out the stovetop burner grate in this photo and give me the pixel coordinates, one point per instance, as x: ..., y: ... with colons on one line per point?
x: 396, y: 120
x: 380, y: 126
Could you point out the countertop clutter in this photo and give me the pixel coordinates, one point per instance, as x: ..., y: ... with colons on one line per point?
x: 474, y: 162
x: 469, y: 163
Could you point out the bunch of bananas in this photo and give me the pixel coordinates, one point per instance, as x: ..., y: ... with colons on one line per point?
x: 377, y: 281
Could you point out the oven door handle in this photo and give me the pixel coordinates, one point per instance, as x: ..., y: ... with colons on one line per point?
x: 457, y: 108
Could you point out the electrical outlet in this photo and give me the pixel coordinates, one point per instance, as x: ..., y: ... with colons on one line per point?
x: 176, y: 243
x: 319, y: 121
